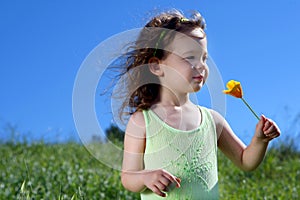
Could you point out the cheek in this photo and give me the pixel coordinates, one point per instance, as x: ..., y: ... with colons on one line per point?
x: 206, y: 74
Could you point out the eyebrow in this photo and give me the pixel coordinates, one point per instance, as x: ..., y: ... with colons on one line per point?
x: 194, y: 52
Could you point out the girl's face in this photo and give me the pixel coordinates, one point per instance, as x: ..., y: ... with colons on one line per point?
x: 185, y: 68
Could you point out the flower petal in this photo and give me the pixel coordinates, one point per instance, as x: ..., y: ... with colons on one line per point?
x: 231, y: 84
x: 234, y: 89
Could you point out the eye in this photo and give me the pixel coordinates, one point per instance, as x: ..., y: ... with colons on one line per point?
x: 190, y: 58
x: 205, y: 57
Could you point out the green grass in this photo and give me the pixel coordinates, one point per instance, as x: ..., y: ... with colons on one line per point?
x: 68, y: 171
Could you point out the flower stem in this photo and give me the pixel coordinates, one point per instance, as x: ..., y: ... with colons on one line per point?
x: 250, y: 108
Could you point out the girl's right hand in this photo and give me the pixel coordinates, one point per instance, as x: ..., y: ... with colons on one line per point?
x: 159, y: 180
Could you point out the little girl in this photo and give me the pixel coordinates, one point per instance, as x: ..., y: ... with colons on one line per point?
x: 170, y: 146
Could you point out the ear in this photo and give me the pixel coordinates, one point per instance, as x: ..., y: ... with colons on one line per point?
x: 154, y: 66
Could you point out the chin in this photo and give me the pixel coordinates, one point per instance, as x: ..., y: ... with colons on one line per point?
x: 197, y: 87
x: 197, y: 90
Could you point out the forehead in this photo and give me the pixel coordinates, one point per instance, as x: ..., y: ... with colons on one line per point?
x: 193, y: 40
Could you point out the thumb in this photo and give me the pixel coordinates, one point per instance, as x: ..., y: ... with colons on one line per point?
x: 261, y: 123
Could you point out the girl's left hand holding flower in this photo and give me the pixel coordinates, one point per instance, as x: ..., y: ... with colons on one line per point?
x: 266, y: 129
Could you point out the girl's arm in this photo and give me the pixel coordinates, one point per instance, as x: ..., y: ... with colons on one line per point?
x: 134, y: 177
x: 245, y: 157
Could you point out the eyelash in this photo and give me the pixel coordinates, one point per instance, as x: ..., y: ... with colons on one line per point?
x: 189, y: 58
x: 193, y: 57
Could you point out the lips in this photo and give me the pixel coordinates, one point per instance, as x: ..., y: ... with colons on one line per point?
x: 198, y: 78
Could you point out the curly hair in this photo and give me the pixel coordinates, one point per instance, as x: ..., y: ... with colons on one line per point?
x: 142, y: 94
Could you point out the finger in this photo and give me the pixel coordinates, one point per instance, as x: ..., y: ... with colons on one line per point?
x: 165, y: 181
x: 178, y: 180
x: 273, y: 128
x: 267, y: 125
x: 261, y: 122
x: 172, y: 178
x: 273, y: 135
x: 270, y: 130
x: 157, y: 191
x: 161, y: 186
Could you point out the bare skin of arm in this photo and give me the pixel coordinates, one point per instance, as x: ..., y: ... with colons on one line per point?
x: 245, y: 157
x: 134, y: 177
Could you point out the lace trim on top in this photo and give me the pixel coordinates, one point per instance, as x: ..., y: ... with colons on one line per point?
x: 163, y: 123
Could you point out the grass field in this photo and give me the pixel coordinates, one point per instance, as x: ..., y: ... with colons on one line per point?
x: 68, y: 171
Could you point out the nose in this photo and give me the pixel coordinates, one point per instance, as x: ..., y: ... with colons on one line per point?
x: 199, y: 66
x: 202, y: 69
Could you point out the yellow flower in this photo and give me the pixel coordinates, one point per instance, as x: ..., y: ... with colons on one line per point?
x: 234, y: 89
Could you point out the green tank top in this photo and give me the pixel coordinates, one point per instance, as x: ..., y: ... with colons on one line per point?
x: 189, y: 155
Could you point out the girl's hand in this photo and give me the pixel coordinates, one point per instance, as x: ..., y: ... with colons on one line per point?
x: 159, y: 180
x: 266, y: 129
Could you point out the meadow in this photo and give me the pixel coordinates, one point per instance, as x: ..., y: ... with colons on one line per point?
x: 69, y: 171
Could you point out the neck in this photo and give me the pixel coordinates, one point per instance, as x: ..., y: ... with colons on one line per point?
x: 169, y: 98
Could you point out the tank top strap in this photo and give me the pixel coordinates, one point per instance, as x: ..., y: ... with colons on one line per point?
x: 146, y: 117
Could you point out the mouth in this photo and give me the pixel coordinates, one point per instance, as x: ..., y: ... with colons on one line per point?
x: 198, y: 78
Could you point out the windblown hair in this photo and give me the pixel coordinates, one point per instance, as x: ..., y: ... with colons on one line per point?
x: 142, y: 86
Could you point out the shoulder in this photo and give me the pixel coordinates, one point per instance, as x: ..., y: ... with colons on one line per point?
x: 136, y: 124
x: 217, y: 117
x: 219, y: 120
x: 138, y: 118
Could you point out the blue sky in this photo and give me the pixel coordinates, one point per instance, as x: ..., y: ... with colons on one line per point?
x: 43, y: 44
